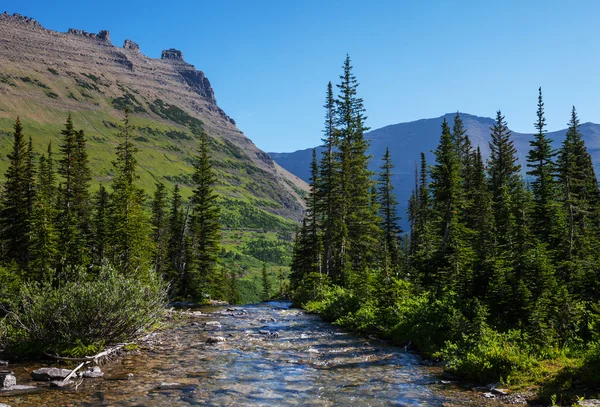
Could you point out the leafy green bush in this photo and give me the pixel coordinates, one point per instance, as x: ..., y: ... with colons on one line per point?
x: 109, y: 309
x: 363, y: 320
x: 489, y: 357
x: 333, y: 302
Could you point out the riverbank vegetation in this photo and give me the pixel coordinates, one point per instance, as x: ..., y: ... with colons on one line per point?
x: 498, y: 274
x: 80, y: 270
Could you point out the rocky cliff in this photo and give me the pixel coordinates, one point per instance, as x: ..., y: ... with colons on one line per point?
x: 44, y: 75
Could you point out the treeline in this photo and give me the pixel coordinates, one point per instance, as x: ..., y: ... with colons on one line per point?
x: 498, y: 269
x: 54, y: 229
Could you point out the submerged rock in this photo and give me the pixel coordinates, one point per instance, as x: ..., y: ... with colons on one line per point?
x: 47, y: 374
x: 61, y: 383
x: 7, y: 379
x: 92, y: 372
x: 215, y: 339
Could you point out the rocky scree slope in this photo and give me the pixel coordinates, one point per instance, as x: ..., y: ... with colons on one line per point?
x: 45, y: 75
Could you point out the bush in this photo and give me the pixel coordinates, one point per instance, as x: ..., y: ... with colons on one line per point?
x: 489, y: 357
x: 333, y: 302
x: 109, y: 309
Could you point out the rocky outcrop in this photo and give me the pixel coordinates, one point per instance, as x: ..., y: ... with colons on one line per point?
x: 172, y: 54
x: 103, y: 35
x: 130, y: 45
x: 19, y: 19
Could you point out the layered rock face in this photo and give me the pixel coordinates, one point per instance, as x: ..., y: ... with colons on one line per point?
x: 44, y: 73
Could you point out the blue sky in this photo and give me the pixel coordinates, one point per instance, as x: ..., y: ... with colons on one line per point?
x: 269, y: 61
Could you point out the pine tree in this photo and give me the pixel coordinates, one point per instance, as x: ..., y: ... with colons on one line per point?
x: 206, y: 227
x: 390, y: 219
x: 313, y: 218
x: 540, y: 160
x: 160, y: 225
x: 74, y: 202
x: 505, y: 182
x: 175, y: 251
x: 130, y: 246
x: 15, y: 208
x: 100, y: 226
x: 357, y: 205
x: 454, y: 254
x: 44, y: 237
x: 580, y: 201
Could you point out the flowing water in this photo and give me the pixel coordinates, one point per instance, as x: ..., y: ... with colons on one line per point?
x: 307, y: 363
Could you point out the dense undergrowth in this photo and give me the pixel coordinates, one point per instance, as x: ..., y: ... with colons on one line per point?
x: 80, y: 316
x: 461, y: 341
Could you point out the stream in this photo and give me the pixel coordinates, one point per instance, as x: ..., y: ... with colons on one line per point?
x: 308, y: 362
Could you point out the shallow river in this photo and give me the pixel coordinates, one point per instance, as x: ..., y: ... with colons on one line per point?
x: 309, y: 363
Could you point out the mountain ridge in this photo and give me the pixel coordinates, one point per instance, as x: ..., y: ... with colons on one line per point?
x: 407, y: 140
x: 46, y: 75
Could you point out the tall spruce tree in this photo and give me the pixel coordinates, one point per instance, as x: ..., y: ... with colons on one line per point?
x: 15, y: 208
x: 100, y: 226
x: 540, y: 160
x: 206, y: 226
x: 44, y: 238
x: 130, y: 246
x: 388, y: 207
x: 356, y: 183
x: 160, y: 227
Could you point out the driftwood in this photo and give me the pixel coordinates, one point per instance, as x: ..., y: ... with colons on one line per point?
x: 66, y: 379
x: 104, y: 354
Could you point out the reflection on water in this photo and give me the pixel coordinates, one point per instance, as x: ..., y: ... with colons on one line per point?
x: 307, y: 363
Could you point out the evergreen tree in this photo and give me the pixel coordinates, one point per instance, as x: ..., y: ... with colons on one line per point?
x: 580, y: 201
x: 160, y: 225
x: 206, y: 218
x: 44, y: 238
x: 313, y: 219
x: 389, y: 218
x: 176, y: 237
x: 74, y: 202
x: 505, y: 182
x: 356, y: 186
x: 130, y: 246
x: 100, y: 226
x: 540, y: 160
x: 15, y: 208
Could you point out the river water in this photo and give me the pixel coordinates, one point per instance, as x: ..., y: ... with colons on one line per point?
x: 308, y: 363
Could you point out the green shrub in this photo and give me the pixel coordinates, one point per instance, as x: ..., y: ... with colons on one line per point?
x: 333, y: 302
x: 489, y: 357
x: 364, y: 320
x: 109, y: 309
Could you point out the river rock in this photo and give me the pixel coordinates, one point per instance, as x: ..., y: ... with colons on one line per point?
x: 215, y: 339
x: 499, y: 392
x: 92, y: 373
x: 7, y: 379
x: 589, y: 403
x: 47, y: 374
x: 212, y: 326
x: 488, y: 396
x: 4, y: 405
x: 3, y: 362
x: 61, y: 383
x: 18, y: 389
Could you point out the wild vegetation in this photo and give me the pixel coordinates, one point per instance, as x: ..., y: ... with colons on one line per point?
x: 498, y: 275
x: 81, y: 269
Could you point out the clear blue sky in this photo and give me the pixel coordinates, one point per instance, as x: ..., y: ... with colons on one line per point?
x: 269, y: 61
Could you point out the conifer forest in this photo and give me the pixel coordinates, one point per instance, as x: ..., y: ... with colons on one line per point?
x: 497, y: 275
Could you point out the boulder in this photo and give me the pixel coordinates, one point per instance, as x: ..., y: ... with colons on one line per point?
x: 3, y: 363
x: 215, y: 339
x: 589, y: 403
x: 47, y: 374
x: 92, y: 372
x: 7, y: 379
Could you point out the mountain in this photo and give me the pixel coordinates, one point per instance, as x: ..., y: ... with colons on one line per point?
x: 45, y: 75
x: 407, y: 140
